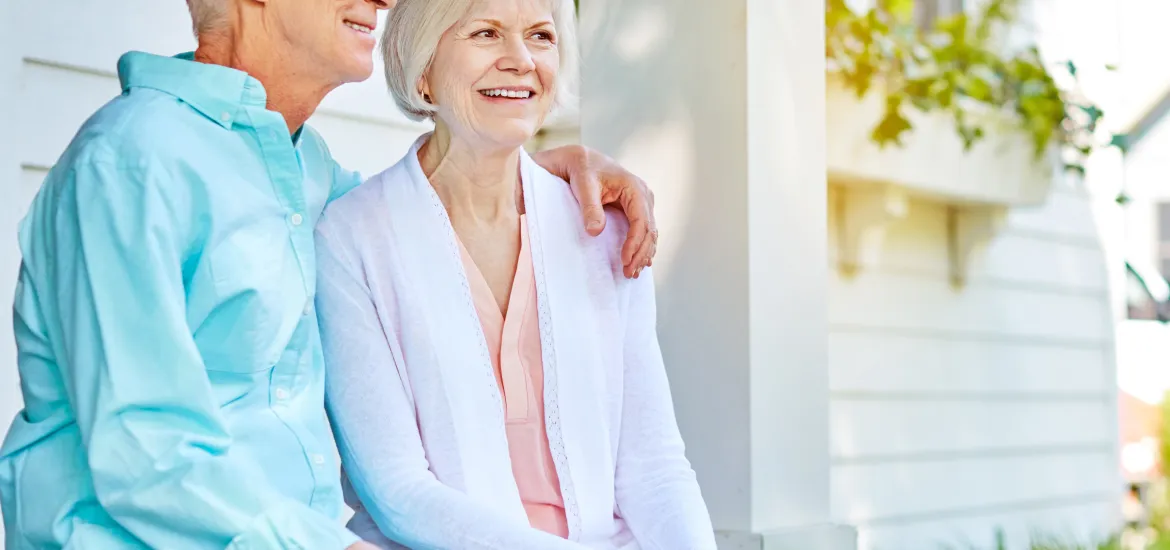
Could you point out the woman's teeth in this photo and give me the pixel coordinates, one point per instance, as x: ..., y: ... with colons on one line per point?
x: 359, y: 28
x: 515, y: 94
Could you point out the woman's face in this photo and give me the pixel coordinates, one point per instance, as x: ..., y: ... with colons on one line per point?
x: 494, y: 74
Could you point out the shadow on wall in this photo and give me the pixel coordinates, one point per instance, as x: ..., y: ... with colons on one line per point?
x: 647, y: 85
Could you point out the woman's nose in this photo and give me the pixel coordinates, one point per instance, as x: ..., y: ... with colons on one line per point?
x: 517, y: 58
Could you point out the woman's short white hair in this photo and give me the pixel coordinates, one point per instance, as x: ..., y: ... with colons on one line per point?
x: 207, y: 15
x: 412, y: 34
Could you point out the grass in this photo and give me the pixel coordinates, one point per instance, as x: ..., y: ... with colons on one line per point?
x: 1051, y: 542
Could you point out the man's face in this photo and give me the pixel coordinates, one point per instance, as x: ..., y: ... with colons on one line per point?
x: 333, y: 39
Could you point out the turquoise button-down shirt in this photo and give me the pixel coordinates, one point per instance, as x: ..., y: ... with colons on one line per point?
x: 168, y: 349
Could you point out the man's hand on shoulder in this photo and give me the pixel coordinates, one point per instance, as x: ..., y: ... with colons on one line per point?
x: 598, y: 180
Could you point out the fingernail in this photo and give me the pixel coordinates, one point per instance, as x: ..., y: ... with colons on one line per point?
x: 594, y: 224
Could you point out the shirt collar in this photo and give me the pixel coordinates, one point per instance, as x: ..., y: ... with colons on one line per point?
x: 218, y: 92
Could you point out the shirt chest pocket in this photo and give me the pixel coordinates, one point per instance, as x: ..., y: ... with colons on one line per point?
x: 260, y: 298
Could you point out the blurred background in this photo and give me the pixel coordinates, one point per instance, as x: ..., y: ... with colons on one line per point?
x: 911, y: 282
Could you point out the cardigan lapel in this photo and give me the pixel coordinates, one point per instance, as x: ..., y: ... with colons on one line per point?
x: 573, y: 288
x: 454, y: 344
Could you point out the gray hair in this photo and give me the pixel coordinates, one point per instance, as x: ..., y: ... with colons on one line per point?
x: 412, y: 34
x: 207, y: 15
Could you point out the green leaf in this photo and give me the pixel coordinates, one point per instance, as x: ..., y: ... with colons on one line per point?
x: 900, y: 9
x: 891, y: 127
x: 1120, y: 141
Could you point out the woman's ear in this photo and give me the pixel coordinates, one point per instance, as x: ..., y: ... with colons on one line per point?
x: 424, y: 89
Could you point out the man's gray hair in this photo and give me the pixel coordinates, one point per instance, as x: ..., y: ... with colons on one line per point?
x: 412, y: 34
x: 207, y: 15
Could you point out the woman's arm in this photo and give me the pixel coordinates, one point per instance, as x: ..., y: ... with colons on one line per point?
x: 656, y: 489
x: 377, y: 433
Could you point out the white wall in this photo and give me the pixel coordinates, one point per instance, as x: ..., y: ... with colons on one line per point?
x: 958, y: 411
x: 58, y: 62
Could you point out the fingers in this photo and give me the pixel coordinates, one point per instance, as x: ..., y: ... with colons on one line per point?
x: 586, y: 186
x: 645, y: 256
x: 642, y: 240
x: 635, y: 239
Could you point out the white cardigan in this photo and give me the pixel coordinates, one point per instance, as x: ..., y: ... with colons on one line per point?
x: 415, y: 405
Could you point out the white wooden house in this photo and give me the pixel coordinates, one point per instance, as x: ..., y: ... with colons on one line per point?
x: 836, y: 387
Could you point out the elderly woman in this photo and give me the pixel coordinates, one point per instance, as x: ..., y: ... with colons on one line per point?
x: 494, y: 381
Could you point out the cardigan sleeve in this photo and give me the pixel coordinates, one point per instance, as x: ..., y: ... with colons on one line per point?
x: 656, y: 490
x: 377, y: 433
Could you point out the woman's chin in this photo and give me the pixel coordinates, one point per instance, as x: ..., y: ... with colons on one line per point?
x: 514, y: 133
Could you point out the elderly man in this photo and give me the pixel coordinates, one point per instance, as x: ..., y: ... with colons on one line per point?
x: 168, y: 347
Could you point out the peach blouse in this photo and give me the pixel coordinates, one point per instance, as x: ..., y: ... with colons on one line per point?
x: 513, y: 341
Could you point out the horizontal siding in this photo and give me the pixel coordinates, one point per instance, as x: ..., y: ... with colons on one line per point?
x: 94, y: 34
x: 897, y: 429
x: 1064, y: 217
x: 883, y: 362
x: 1080, y: 518
x: 1020, y: 254
x: 926, y: 305
x: 55, y: 101
x: 911, y: 492
x: 954, y: 411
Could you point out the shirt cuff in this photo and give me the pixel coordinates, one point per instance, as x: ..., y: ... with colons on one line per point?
x: 294, y: 526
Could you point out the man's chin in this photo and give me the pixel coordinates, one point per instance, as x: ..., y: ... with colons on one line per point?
x: 358, y: 72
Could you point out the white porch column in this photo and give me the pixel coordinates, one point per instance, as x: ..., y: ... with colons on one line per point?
x: 720, y: 105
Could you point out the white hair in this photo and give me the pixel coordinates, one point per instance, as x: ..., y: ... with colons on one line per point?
x: 412, y: 34
x: 207, y: 15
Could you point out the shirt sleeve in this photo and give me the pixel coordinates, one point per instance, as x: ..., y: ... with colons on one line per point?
x: 656, y: 490
x: 377, y: 433
x: 158, y: 448
x: 343, y: 181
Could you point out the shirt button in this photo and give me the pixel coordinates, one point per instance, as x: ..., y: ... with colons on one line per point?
x: 225, y: 116
x: 318, y: 459
x: 296, y: 219
x: 281, y: 394
x: 309, y: 306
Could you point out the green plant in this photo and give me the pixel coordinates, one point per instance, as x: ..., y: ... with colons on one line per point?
x: 1051, y: 542
x: 957, y: 67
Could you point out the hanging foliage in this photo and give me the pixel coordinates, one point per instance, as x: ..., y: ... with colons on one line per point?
x: 958, y: 67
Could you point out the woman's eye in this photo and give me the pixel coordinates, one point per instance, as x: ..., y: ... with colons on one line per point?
x: 486, y: 33
x: 544, y: 35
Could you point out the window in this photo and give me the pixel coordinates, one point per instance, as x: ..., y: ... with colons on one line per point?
x: 1146, y: 294
x: 1164, y: 237
x: 927, y: 11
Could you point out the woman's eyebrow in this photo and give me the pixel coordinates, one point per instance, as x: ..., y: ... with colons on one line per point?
x: 498, y: 23
x: 493, y: 22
